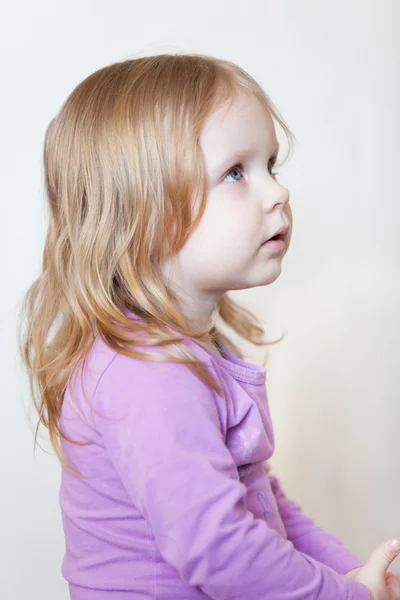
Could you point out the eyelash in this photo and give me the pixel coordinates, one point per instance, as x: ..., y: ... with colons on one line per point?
x: 240, y: 167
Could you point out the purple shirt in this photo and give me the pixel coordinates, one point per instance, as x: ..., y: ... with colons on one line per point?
x: 177, y: 501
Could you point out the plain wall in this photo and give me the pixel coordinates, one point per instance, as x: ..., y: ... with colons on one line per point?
x: 332, y: 69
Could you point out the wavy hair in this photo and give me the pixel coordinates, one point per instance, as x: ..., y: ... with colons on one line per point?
x: 123, y: 170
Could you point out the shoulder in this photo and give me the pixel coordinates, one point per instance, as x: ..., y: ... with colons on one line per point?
x: 134, y: 371
x: 138, y: 391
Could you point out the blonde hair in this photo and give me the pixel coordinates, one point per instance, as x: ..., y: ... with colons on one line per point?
x: 123, y: 165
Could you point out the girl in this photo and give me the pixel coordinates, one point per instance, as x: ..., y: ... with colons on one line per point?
x: 162, y: 196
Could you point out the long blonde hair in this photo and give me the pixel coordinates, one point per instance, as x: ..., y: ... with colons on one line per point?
x: 123, y: 165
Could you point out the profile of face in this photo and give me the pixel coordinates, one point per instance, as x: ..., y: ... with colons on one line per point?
x: 246, y: 205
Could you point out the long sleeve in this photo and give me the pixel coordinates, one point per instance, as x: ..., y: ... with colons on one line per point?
x: 309, y: 538
x: 161, y: 428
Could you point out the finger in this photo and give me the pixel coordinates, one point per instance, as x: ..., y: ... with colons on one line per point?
x: 393, y: 584
x: 381, y: 558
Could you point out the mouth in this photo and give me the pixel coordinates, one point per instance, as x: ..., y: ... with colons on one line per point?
x: 280, y: 235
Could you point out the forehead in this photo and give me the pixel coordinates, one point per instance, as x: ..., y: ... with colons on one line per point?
x: 241, y: 121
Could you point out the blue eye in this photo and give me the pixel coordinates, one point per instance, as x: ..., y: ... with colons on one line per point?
x: 236, y: 168
x: 239, y: 168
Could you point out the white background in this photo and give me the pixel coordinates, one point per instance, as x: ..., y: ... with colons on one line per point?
x: 332, y: 68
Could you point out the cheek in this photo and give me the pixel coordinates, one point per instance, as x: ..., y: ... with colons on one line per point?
x: 217, y: 226
x: 226, y: 228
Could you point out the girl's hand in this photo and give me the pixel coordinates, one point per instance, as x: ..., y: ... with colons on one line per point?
x: 352, y: 572
x: 382, y: 584
x: 389, y: 576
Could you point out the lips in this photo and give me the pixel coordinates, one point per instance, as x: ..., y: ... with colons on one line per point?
x: 280, y: 234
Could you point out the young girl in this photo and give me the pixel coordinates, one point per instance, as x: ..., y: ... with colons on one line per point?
x: 162, y: 197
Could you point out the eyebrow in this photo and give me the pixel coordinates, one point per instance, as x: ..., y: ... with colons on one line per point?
x: 244, y: 153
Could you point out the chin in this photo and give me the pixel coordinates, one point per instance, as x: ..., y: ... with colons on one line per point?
x: 273, y: 278
x: 266, y: 278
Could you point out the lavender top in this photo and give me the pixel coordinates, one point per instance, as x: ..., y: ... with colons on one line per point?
x: 177, y: 501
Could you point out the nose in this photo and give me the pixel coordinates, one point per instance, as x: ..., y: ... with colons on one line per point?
x: 282, y: 197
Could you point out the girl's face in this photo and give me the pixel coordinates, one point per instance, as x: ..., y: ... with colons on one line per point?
x: 245, y: 206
